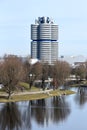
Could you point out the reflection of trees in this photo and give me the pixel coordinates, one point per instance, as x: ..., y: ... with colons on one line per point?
x: 81, y: 96
x: 60, y: 109
x: 42, y: 111
x: 26, y: 117
x: 10, y: 117
x: 56, y: 109
x: 39, y: 111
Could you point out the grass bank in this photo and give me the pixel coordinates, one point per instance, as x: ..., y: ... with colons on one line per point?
x: 80, y: 83
x: 25, y: 96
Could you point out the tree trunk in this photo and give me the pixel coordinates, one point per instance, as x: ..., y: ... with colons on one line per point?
x: 9, y: 95
x: 43, y: 84
x: 31, y: 83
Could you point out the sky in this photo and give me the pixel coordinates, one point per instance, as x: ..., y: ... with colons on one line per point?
x: 16, y: 16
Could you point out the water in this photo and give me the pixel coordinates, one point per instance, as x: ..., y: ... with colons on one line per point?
x: 59, y: 113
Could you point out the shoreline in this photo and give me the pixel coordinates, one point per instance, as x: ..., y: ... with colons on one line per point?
x: 33, y: 95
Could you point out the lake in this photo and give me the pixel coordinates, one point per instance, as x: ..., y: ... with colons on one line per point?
x: 59, y: 113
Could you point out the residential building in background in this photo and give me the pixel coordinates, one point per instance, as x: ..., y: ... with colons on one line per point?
x: 44, y: 36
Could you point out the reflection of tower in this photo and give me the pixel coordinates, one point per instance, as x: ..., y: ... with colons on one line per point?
x: 44, y: 36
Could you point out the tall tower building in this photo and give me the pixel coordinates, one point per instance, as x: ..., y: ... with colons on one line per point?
x: 44, y: 36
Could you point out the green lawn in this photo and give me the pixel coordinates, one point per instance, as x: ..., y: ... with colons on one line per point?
x: 27, y: 94
x: 26, y: 87
x: 26, y: 97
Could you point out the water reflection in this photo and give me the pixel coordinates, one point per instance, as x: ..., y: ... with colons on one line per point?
x: 26, y: 115
x: 20, y: 116
x: 81, y: 96
x: 57, y: 110
x: 62, y: 111
x: 10, y: 117
x: 39, y: 111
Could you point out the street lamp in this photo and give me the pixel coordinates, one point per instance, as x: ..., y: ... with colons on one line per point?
x: 49, y: 80
x: 30, y: 80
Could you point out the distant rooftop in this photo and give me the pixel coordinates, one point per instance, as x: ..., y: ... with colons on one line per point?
x: 33, y: 61
x: 72, y: 59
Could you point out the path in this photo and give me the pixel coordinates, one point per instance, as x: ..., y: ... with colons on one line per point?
x: 33, y: 92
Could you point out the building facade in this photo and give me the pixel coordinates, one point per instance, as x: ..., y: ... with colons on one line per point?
x: 44, y: 36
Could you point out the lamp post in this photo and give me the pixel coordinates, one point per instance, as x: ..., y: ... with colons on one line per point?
x: 49, y: 80
x: 30, y: 80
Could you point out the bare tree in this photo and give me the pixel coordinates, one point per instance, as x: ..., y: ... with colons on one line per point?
x: 80, y: 72
x: 39, y: 71
x: 60, y: 72
x: 27, y: 68
x: 86, y: 69
x: 32, y: 72
x: 36, y: 70
x: 11, y: 72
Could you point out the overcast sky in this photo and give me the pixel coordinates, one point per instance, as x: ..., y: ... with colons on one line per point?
x: 16, y: 16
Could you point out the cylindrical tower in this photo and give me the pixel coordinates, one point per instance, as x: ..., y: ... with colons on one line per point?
x: 45, y: 51
x: 34, y: 31
x: 34, y: 49
x: 45, y: 31
x: 54, y: 32
x: 44, y: 36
